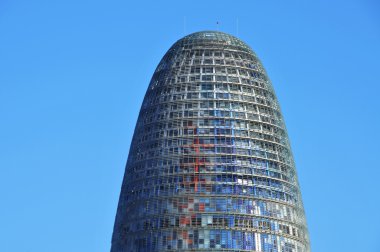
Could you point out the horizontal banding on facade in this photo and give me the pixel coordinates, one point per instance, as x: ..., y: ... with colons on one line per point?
x: 210, y: 166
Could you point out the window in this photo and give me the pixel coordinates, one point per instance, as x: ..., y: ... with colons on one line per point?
x: 195, y: 70
x: 207, y: 77
x: 207, y: 86
x: 207, y: 70
x: 219, y: 62
x: 222, y: 95
x: 221, y: 78
x: 208, y: 53
x: 231, y: 71
x: 220, y: 70
x: 221, y: 86
x: 207, y: 61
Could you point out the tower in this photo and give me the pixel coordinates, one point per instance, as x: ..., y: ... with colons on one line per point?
x: 210, y: 166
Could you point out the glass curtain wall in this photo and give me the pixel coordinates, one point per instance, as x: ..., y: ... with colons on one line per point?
x: 210, y: 166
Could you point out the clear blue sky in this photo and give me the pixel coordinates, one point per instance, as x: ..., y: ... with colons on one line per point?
x: 73, y: 75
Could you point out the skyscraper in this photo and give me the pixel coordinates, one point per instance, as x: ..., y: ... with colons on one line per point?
x: 210, y: 166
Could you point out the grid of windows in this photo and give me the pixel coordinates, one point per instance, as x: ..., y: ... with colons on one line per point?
x: 210, y: 166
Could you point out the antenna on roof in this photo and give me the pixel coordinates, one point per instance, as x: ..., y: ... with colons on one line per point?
x: 184, y: 25
x: 237, y: 27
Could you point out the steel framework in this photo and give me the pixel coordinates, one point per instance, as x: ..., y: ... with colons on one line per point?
x: 210, y: 166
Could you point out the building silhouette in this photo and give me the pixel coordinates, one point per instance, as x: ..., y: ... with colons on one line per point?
x: 210, y: 166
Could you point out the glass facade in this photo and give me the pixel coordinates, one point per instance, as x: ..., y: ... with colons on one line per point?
x: 210, y: 166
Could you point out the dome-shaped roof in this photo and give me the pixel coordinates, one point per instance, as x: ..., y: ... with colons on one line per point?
x: 214, y: 36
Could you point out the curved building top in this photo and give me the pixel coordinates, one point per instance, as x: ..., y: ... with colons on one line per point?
x: 213, y: 36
